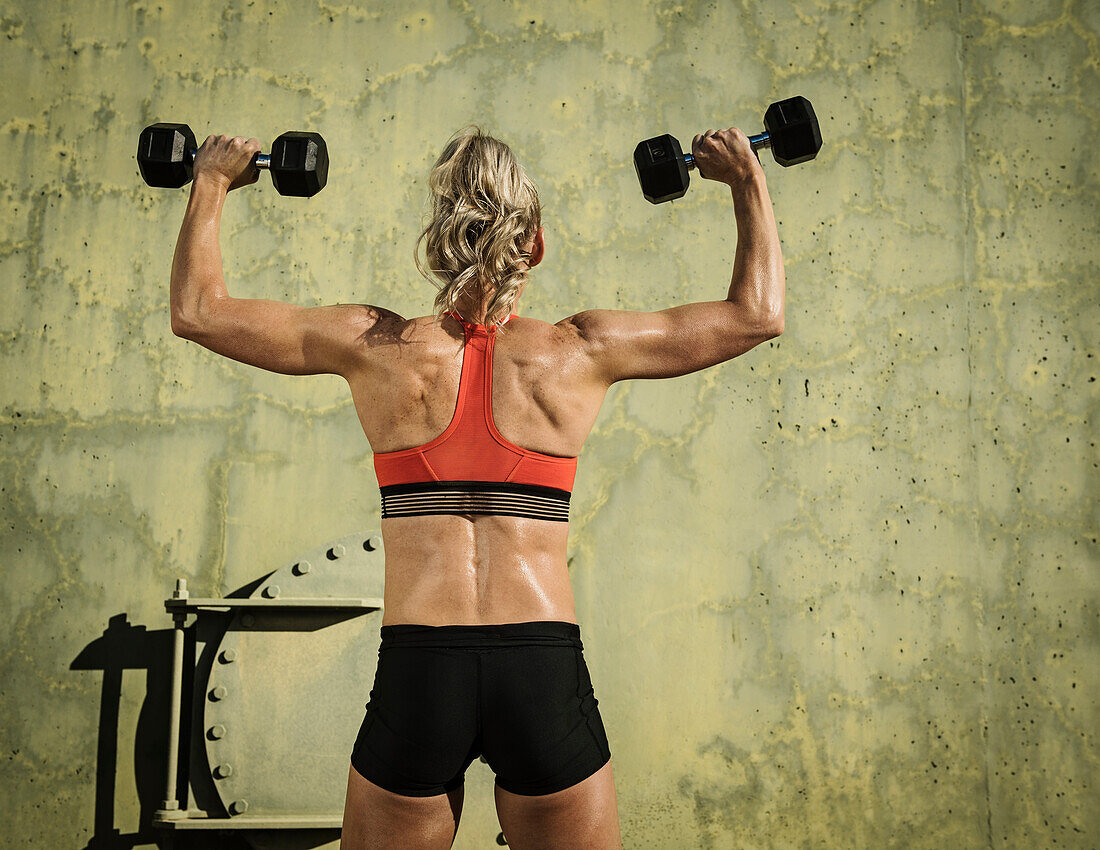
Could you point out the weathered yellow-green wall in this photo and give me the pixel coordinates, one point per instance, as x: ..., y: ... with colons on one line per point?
x: 838, y: 593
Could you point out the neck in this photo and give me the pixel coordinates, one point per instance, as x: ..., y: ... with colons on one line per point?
x: 476, y: 313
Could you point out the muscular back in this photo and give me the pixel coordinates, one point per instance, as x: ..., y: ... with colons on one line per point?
x: 548, y: 384
x: 546, y: 395
x: 547, y: 390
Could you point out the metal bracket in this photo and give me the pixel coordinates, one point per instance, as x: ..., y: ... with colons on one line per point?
x: 258, y: 654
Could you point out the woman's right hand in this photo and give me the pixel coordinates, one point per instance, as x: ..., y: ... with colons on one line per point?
x: 725, y: 156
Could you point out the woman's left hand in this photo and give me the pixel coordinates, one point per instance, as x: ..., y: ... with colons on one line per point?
x: 230, y: 160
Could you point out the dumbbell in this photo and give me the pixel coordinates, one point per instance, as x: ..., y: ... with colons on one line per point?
x: 298, y: 162
x: 790, y: 130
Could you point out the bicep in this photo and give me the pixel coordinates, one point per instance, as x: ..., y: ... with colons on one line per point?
x: 285, y: 338
x: 624, y: 344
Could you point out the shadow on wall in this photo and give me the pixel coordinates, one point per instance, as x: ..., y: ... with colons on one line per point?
x: 125, y: 646
x: 272, y: 679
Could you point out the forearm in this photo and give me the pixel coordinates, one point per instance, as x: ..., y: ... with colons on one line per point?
x: 197, y: 264
x: 758, y: 280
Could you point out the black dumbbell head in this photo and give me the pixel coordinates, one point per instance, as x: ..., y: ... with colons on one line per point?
x: 299, y: 164
x: 164, y: 155
x: 793, y: 131
x: 661, y: 169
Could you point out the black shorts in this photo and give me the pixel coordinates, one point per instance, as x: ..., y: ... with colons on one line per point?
x: 517, y: 693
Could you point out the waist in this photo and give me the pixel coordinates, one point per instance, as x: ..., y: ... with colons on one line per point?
x: 482, y: 636
x: 476, y: 569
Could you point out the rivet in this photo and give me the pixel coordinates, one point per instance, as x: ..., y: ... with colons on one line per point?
x: 238, y: 806
x: 248, y: 620
x: 217, y: 731
x: 302, y: 567
x: 219, y: 692
x: 337, y: 551
x: 272, y: 591
x: 223, y: 770
x: 228, y: 656
x: 373, y: 543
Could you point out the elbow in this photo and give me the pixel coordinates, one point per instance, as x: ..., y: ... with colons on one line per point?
x: 184, y: 325
x: 194, y: 320
x: 773, y: 313
x: 771, y: 322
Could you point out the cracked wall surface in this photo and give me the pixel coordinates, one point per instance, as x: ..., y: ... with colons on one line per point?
x: 839, y: 592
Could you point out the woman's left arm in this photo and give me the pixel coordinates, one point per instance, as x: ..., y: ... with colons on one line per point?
x: 272, y: 335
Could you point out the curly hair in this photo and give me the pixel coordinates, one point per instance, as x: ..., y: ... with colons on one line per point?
x: 484, y: 212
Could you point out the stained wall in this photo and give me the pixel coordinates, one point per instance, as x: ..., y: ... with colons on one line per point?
x: 839, y: 592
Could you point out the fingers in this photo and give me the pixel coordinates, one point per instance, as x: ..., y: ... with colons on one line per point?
x: 231, y: 142
x: 229, y: 159
x: 241, y: 143
x: 701, y: 139
x: 729, y: 139
x: 233, y: 147
x: 724, y: 155
x: 714, y: 137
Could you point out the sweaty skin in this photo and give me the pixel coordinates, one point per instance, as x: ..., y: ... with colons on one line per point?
x: 548, y: 380
x: 546, y: 395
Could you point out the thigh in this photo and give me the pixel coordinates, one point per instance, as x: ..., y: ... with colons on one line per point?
x: 584, y: 815
x: 377, y: 819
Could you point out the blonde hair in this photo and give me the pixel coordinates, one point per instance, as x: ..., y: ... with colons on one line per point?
x: 484, y: 211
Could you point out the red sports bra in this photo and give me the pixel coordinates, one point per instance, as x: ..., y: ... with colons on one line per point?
x: 470, y: 468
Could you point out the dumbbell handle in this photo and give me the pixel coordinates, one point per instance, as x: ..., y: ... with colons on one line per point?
x: 261, y: 160
x: 760, y: 140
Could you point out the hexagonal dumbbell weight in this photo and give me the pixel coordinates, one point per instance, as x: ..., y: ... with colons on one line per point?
x: 298, y: 161
x: 790, y: 130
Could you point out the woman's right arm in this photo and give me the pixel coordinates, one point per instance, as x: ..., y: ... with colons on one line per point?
x: 623, y: 344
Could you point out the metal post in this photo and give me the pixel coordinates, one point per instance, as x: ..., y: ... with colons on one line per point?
x: 170, y: 808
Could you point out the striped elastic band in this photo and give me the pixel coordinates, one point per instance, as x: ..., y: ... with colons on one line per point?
x: 482, y: 498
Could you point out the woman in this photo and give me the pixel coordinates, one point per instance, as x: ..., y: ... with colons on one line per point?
x: 476, y: 416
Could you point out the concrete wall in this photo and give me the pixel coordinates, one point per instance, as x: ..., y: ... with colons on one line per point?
x: 840, y: 592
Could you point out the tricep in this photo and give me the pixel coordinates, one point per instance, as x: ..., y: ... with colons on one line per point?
x: 624, y: 344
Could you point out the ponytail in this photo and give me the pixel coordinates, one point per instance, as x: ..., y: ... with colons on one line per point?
x: 484, y: 212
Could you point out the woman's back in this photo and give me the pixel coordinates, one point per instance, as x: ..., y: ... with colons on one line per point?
x: 545, y: 395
